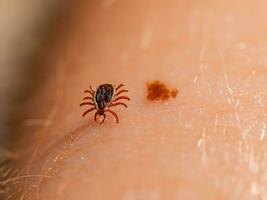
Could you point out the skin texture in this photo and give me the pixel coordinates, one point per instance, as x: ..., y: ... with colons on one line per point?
x: 207, y: 143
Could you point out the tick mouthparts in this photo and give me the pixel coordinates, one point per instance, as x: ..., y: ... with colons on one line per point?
x: 100, y: 118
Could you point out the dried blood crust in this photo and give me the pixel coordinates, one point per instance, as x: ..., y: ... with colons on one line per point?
x: 158, y: 91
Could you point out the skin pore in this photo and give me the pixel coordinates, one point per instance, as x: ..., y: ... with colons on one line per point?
x: 207, y: 143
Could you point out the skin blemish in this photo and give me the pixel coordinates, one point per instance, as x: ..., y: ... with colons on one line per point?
x: 158, y: 91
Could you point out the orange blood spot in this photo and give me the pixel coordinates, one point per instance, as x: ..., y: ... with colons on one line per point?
x: 158, y: 91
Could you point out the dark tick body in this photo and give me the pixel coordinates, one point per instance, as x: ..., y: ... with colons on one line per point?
x: 104, y: 97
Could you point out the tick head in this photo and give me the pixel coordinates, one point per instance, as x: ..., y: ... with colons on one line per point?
x: 100, y: 116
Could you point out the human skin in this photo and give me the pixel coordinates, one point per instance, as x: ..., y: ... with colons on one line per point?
x: 207, y: 143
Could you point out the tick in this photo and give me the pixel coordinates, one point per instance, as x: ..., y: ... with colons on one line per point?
x: 102, y: 99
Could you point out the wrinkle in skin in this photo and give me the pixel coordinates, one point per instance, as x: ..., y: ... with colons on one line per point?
x: 49, y: 163
x: 29, y: 180
x: 52, y: 113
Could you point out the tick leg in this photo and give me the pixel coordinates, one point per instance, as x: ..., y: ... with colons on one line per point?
x: 87, y: 103
x: 122, y: 97
x: 122, y: 91
x: 114, y: 114
x: 88, y: 98
x: 89, y: 91
x: 85, y: 113
x: 116, y: 104
x: 92, y: 89
x: 119, y: 86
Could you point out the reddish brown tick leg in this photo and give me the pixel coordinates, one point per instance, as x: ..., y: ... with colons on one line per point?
x: 86, y: 112
x: 122, y: 91
x: 114, y: 114
x: 116, y: 104
x: 88, y: 91
x: 88, y: 98
x: 119, y: 86
x: 92, y: 89
x: 87, y: 103
x: 122, y: 97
